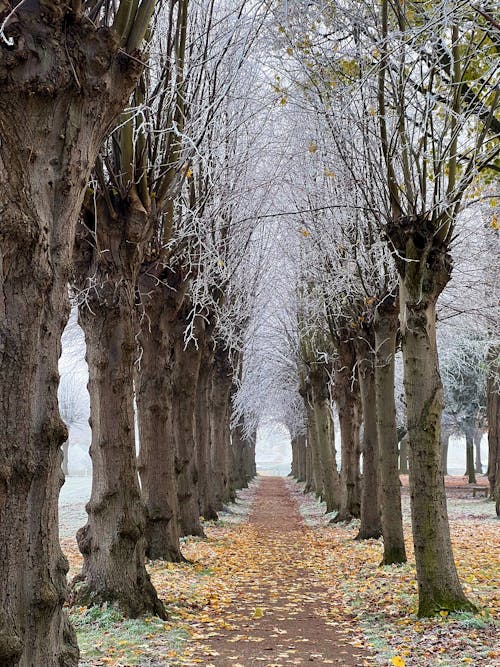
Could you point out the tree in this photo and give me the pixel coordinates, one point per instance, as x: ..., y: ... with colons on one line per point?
x: 64, y: 79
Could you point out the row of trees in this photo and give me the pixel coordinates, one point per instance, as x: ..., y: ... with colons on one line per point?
x: 143, y: 165
x: 395, y: 178
x: 126, y: 163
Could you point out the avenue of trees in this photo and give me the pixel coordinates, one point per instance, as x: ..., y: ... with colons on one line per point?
x: 260, y: 211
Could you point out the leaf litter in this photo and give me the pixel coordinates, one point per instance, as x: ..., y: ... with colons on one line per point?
x: 238, y: 580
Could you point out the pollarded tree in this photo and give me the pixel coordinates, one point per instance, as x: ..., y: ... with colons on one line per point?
x: 428, y: 74
x: 66, y: 72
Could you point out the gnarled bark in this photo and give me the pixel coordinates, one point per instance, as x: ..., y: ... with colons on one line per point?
x: 386, y: 326
x: 348, y: 402
x: 371, y: 525
x: 62, y: 84
x: 154, y: 412
x: 113, y: 541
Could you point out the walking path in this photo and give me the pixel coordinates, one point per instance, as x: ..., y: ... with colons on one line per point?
x: 281, y: 611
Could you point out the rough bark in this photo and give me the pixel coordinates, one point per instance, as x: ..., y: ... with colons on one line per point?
x: 493, y: 417
x: 185, y: 372
x: 421, y: 281
x: 348, y: 402
x: 238, y: 476
x: 221, y: 383
x: 386, y: 326
x: 301, y: 458
x: 62, y: 84
x: 203, y: 439
x: 154, y: 414
x: 371, y: 525
x: 109, y: 251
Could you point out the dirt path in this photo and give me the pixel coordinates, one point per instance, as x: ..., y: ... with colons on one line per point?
x: 281, y: 612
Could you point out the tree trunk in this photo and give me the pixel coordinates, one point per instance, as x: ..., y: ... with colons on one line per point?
x: 313, y: 440
x: 469, y: 453
x: 239, y: 454
x: 250, y: 462
x: 154, y: 413
x: 478, y: 436
x: 186, y: 367
x: 220, y: 451
x: 445, y: 442
x: 493, y: 415
x: 52, y: 123
x: 386, y: 326
x: 403, y: 455
x: 371, y: 525
x: 347, y: 399
x: 324, y: 436
x: 113, y: 541
x: 301, y: 458
x: 422, y: 280
x: 203, y: 439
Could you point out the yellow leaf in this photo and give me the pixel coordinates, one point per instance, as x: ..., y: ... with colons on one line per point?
x: 495, y: 222
x: 398, y: 661
x: 258, y: 613
x: 313, y: 147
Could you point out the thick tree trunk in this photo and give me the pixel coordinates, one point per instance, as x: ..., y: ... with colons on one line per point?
x: 52, y: 123
x: 469, y: 453
x: 203, y: 435
x: 219, y: 432
x: 239, y: 447
x: 371, y: 525
x: 403, y: 455
x: 386, y: 326
x: 301, y: 458
x: 113, y: 541
x: 478, y: 436
x: 203, y: 439
x: 154, y: 413
x: 348, y: 401
x: 445, y: 442
x: 250, y: 462
x: 324, y: 437
x: 186, y: 367
x: 422, y: 280
x: 313, y: 441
